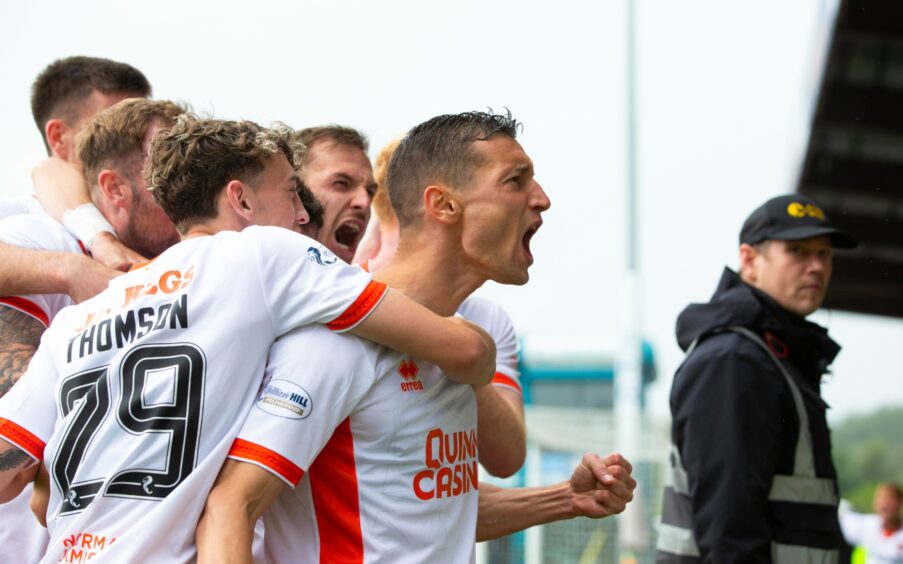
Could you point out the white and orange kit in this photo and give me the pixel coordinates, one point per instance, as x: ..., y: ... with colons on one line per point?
x: 22, y: 539
x: 380, y: 451
x: 495, y: 321
x: 135, y: 397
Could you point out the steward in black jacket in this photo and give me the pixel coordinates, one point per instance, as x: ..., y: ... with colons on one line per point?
x: 751, y: 477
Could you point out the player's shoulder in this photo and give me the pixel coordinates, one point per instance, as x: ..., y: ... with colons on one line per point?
x: 37, y: 230
x: 317, y: 344
x: 483, y: 311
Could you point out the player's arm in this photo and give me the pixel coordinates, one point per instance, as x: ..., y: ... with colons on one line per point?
x: 20, y: 335
x: 599, y: 487
x: 501, y: 431
x: 239, y: 497
x: 17, y: 469
x: 29, y: 271
x: 462, y: 350
x: 64, y: 195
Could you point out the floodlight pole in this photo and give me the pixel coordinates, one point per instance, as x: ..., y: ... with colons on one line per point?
x: 631, y: 531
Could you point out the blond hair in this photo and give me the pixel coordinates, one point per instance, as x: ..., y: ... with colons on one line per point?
x: 382, y: 207
x: 189, y: 164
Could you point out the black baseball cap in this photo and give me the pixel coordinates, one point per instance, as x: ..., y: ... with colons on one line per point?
x: 790, y: 218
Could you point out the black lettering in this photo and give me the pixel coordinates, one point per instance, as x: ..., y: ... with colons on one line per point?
x: 145, y: 323
x: 104, y: 335
x: 125, y: 328
x: 162, y: 314
x: 87, y: 340
x: 179, y: 313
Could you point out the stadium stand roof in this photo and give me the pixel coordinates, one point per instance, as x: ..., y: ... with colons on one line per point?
x: 854, y: 161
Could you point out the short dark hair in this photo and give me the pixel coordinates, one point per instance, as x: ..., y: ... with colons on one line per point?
x: 61, y: 87
x: 332, y: 134
x: 189, y: 164
x: 312, y: 205
x: 440, y: 150
x: 116, y: 136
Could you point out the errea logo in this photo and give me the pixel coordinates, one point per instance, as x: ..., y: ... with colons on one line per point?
x: 408, y: 371
x: 796, y: 209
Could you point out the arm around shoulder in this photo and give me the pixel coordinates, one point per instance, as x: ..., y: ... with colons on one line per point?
x: 461, y: 349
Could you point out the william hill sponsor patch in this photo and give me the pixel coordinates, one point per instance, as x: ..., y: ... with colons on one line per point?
x: 285, y: 399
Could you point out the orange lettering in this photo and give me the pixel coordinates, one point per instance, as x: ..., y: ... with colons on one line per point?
x: 131, y: 294
x: 421, y: 493
x: 443, y: 482
x: 431, y: 460
x: 170, y: 281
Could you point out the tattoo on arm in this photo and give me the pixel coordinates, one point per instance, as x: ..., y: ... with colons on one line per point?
x: 20, y: 335
x: 12, y: 459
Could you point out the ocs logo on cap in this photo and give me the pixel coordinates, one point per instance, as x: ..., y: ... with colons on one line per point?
x: 796, y: 209
x: 285, y: 399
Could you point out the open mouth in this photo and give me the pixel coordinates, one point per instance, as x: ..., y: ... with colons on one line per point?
x: 529, y: 235
x: 349, y: 234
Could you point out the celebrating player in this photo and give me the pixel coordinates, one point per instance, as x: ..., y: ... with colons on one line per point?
x: 151, y: 377
x: 364, y: 454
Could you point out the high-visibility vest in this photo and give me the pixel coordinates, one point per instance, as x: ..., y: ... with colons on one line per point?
x: 676, y: 542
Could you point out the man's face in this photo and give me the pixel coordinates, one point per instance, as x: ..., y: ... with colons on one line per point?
x: 502, y: 211
x: 274, y: 195
x: 341, y: 178
x: 794, y: 273
x: 147, y: 229
x: 886, y: 503
x: 96, y: 102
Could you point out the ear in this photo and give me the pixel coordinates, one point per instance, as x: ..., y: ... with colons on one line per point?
x: 53, y: 133
x: 114, y: 188
x: 439, y: 203
x: 238, y: 196
x: 748, y: 255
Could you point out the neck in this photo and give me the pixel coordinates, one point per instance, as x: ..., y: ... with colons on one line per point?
x: 432, y: 272
x: 892, y: 524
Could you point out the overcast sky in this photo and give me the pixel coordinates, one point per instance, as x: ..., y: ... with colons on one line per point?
x: 725, y: 90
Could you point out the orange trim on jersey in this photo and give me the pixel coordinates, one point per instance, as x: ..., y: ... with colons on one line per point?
x: 504, y: 380
x: 333, y: 485
x: 365, y: 266
x: 269, y: 459
x: 22, y: 439
x: 27, y: 306
x: 361, y: 307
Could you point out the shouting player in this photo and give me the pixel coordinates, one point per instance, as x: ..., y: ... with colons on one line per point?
x: 368, y: 455
x: 150, y: 379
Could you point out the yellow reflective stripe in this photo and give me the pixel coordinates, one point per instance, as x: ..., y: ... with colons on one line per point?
x: 676, y: 540
x: 794, y: 554
x: 802, y: 489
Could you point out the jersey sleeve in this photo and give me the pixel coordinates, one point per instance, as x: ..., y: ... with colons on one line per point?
x: 314, y: 379
x: 303, y: 283
x: 28, y: 411
x: 495, y: 321
x: 507, y: 374
x: 41, y: 233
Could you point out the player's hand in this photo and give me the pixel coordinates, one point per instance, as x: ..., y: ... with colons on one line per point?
x: 40, y: 495
x: 110, y: 251
x: 601, y: 486
x: 85, y: 277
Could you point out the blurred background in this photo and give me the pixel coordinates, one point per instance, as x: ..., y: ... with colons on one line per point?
x: 655, y: 127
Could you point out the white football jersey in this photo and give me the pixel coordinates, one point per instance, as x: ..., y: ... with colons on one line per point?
x: 866, y: 530
x: 380, y: 450
x: 22, y: 539
x: 149, y: 383
x: 495, y: 321
x: 14, y: 205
